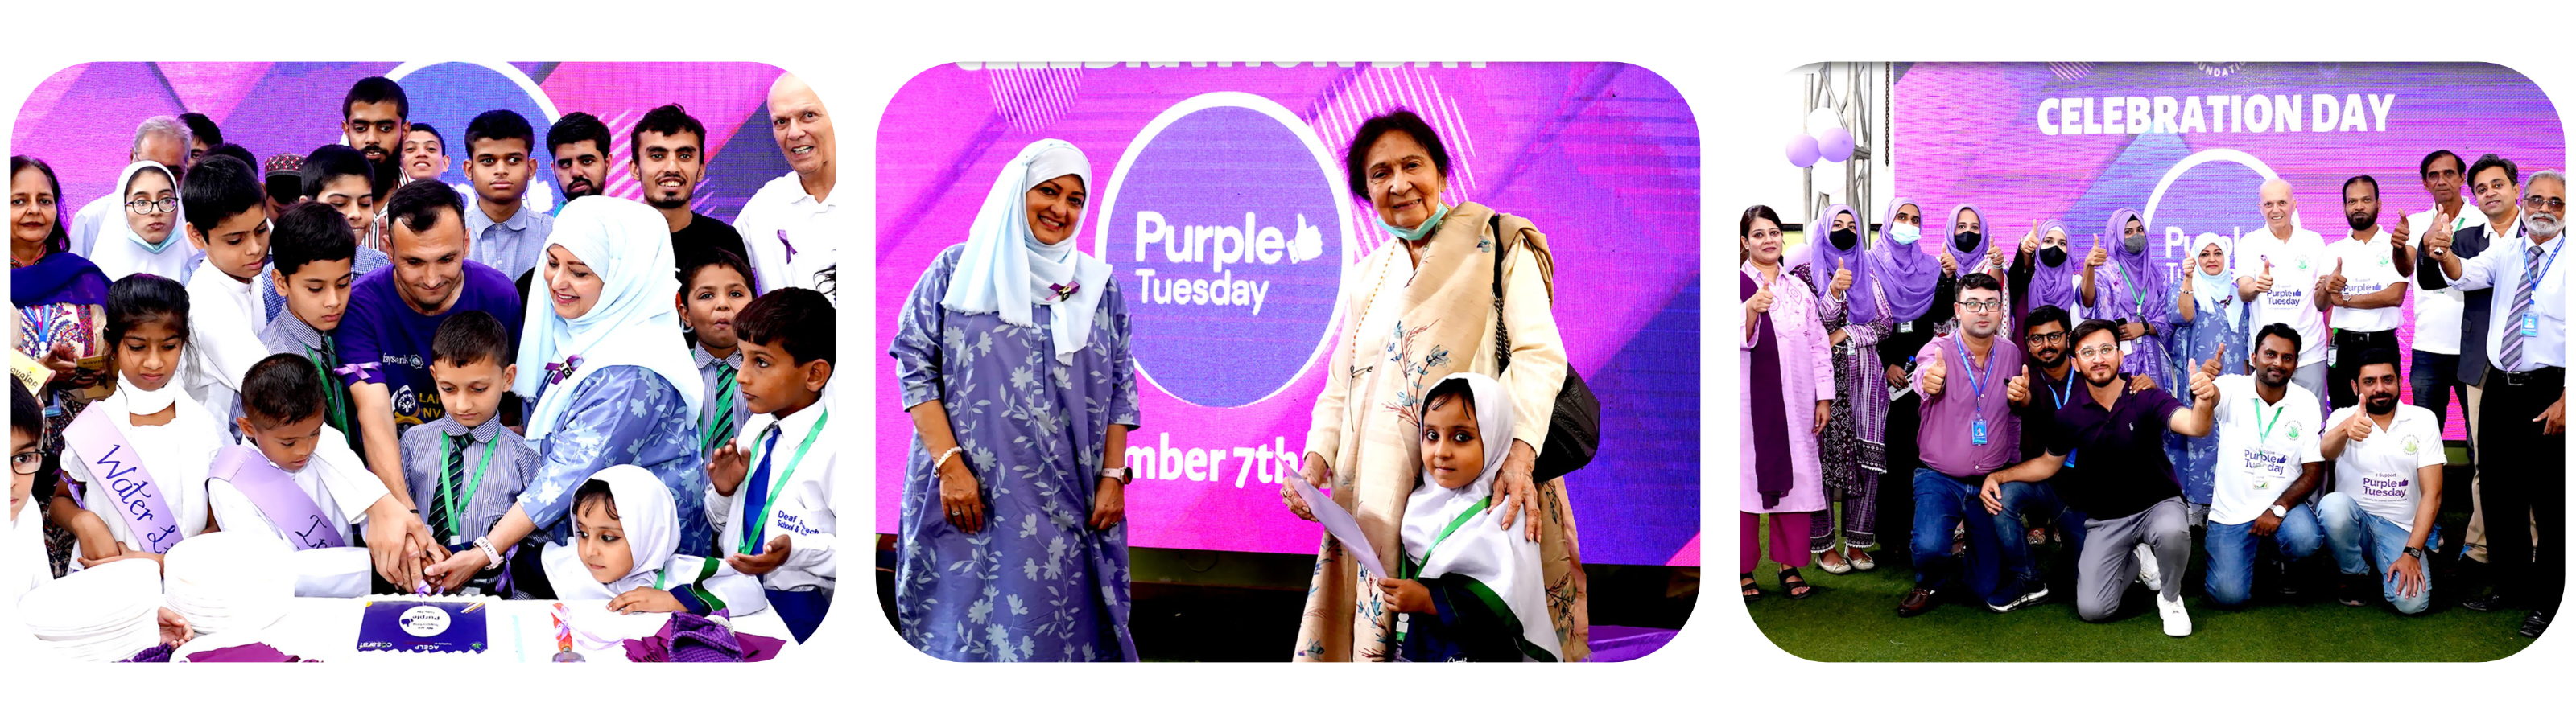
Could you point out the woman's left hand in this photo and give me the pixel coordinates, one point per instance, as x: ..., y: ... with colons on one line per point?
x: 1109, y: 507
x: 1514, y: 492
x: 645, y: 600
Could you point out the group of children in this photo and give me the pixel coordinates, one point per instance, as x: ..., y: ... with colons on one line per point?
x: 218, y: 422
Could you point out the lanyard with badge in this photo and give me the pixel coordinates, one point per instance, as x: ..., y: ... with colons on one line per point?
x: 2531, y: 319
x: 759, y: 518
x: 456, y: 504
x: 2258, y: 458
x: 1977, y: 389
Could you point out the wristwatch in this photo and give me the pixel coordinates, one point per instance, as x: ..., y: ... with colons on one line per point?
x: 2280, y: 512
x: 2418, y: 553
x: 1122, y: 474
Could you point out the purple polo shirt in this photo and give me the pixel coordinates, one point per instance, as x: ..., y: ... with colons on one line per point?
x: 2118, y: 465
x: 380, y: 328
x: 1947, y: 437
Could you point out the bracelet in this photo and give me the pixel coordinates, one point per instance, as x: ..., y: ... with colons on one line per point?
x: 943, y: 460
x: 491, y: 553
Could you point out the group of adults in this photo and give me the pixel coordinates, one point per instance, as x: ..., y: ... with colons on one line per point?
x: 428, y: 253
x: 2256, y: 395
x: 1012, y: 540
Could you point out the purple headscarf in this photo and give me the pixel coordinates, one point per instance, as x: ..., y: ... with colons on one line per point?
x: 2139, y: 271
x: 1970, y: 257
x: 1904, y: 272
x: 2054, y: 285
x: 1822, y: 255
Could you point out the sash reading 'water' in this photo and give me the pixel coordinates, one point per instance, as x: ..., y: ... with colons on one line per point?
x: 136, y: 497
x: 274, y: 492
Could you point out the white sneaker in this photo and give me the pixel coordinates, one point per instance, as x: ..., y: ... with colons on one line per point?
x: 2177, y: 621
x: 2148, y: 574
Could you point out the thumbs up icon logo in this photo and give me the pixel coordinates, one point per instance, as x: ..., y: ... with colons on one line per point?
x: 1308, y: 244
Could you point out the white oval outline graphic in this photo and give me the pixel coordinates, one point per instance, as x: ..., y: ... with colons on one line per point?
x: 2216, y: 154
x: 525, y: 83
x: 1323, y: 162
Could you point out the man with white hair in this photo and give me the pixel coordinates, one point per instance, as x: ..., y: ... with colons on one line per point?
x: 2277, y: 270
x: 794, y: 225
x: 2526, y: 397
x: 160, y: 139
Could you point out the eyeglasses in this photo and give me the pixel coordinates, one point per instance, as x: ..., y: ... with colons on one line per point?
x: 144, y: 206
x: 1984, y: 306
x: 2049, y: 338
x: 2098, y: 351
x: 2538, y: 201
x: 27, y: 463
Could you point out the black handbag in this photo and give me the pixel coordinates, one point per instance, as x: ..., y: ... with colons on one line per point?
x: 1574, y: 429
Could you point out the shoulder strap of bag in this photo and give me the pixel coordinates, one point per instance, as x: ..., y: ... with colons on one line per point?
x: 1502, y: 334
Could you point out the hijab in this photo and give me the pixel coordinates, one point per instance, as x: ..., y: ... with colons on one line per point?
x: 2054, y: 285
x: 1822, y: 255
x: 1505, y: 562
x: 1975, y: 254
x: 1006, y: 270
x: 651, y: 520
x: 125, y: 187
x: 2135, y: 266
x: 2213, y: 291
x: 1903, y: 271
x: 629, y: 246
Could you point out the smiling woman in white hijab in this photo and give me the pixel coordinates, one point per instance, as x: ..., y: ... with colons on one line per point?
x: 149, y: 240
x: 1012, y: 353
x: 612, y: 379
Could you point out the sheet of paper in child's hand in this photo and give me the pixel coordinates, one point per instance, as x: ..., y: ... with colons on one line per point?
x: 1343, y: 527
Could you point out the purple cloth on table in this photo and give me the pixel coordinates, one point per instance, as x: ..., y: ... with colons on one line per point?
x: 158, y: 654
x: 1627, y: 643
x: 691, y: 638
x: 381, y: 328
x: 253, y: 653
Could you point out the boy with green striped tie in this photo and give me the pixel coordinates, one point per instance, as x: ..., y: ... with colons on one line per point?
x: 465, y: 470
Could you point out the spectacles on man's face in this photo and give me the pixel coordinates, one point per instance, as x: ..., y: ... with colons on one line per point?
x: 27, y: 463
x: 2098, y: 351
x: 148, y: 206
x: 2049, y: 338
x: 2552, y: 203
x: 1985, y: 305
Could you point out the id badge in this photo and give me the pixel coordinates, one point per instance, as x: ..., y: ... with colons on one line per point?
x: 1905, y: 327
x: 2332, y: 355
x: 1977, y: 432
x: 2126, y: 348
x: 2531, y: 324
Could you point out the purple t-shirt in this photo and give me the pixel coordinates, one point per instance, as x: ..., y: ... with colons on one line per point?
x: 1948, y: 436
x: 379, y: 327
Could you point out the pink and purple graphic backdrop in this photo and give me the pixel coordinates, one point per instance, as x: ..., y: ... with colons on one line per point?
x: 1219, y: 202
x: 2076, y: 141
x: 81, y: 120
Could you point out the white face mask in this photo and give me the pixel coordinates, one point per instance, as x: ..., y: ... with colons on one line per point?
x: 1905, y: 233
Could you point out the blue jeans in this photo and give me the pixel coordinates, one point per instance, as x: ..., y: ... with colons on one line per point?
x: 1942, y: 503
x: 2351, y: 532
x: 2017, y: 573
x: 2232, y: 548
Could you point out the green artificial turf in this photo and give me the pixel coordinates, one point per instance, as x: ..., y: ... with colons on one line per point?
x: 1853, y: 618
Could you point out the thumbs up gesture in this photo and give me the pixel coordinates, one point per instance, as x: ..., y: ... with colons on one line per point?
x: 2402, y: 233
x: 2098, y: 256
x: 1995, y: 257
x: 2437, y: 242
x: 2330, y: 286
x: 2030, y: 240
x: 2263, y: 282
x: 1842, y: 279
x: 1760, y: 303
x: 2204, y: 381
x: 2358, y: 428
x: 1933, y: 374
x: 1949, y: 264
x: 2017, y: 390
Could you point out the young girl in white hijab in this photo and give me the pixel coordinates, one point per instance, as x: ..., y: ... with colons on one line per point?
x: 1472, y: 588
x: 147, y: 429
x: 149, y: 196
x: 626, y: 534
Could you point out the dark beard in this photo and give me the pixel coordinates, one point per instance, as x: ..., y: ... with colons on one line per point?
x: 2375, y: 408
x: 2360, y: 222
x: 668, y: 204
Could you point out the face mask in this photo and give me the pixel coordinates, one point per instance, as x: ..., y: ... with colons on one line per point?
x: 2054, y: 256
x: 2134, y: 243
x: 1844, y: 238
x: 1966, y: 240
x: 1905, y: 233
x: 1416, y: 233
x: 137, y: 238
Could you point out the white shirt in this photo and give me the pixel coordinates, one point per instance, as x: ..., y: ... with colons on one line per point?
x: 2296, y: 265
x: 2379, y: 472
x: 2253, y: 467
x: 224, y: 320
x: 804, y: 510
x: 2500, y: 267
x: 2367, y: 269
x: 23, y: 565
x: 341, y: 487
x: 177, y: 455
x: 2437, y: 311
x: 814, y: 229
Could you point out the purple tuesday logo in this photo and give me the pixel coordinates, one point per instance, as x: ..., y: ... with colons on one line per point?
x: 2213, y: 193
x: 1229, y: 229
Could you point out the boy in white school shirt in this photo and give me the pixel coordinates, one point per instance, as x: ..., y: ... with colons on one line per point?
x: 230, y: 225
x: 775, y: 480
x: 296, y: 478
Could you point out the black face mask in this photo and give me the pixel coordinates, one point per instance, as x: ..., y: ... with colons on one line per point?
x: 2054, y: 256
x: 1966, y: 240
x: 1844, y: 238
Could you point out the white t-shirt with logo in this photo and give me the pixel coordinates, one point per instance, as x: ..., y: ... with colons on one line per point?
x: 2261, y: 448
x: 2367, y: 268
x: 2379, y: 471
x: 2296, y: 264
x: 2437, y: 311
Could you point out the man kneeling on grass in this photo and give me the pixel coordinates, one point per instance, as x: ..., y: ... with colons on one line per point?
x: 2389, y: 459
x: 2110, y: 446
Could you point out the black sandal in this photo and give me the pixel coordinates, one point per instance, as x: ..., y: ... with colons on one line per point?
x: 1798, y: 589
x: 1751, y: 592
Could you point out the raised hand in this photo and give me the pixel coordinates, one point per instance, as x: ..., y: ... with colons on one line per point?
x: 1760, y: 303
x: 1949, y: 264
x: 1994, y: 256
x: 2204, y: 381
x: 1934, y: 373
x: 2437, y: 241
x: 2017, y: 389
x: 2358, y: 428
x: 2098, y: 256
x: 2331, y: 285
x: 1842, y: 279
x: 2402, y: 233
x: 2263, y: 282
x: 2030, y: 240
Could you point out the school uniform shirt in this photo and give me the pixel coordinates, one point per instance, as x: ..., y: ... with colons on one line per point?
x: 2379, y: 472
x: 2502, y: 268
x: 2297, y: 263
x: 514, y: 245
x: 424, y: 451
x: 23, y: 564
x: 366, y: 261
x: 803, y: 512
x: 2437, y: 311
x: 711, y: 371
x: 2367, y: 269
x: 2261, y: 447
x: 342, y: 489
x: 176, y: 453
x: 794, y: 238
x: 224, y: 319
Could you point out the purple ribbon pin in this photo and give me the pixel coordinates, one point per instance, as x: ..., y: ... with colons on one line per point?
x: 1065, y: 291
x: 557, y: 372
x: 791, y: 246
x: 350, y: 371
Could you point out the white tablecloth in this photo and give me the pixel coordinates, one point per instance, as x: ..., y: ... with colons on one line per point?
x: 326, y: 629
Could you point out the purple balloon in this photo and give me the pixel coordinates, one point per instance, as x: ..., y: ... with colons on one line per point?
x: 1802, y: 150
x: 1835, y: 145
